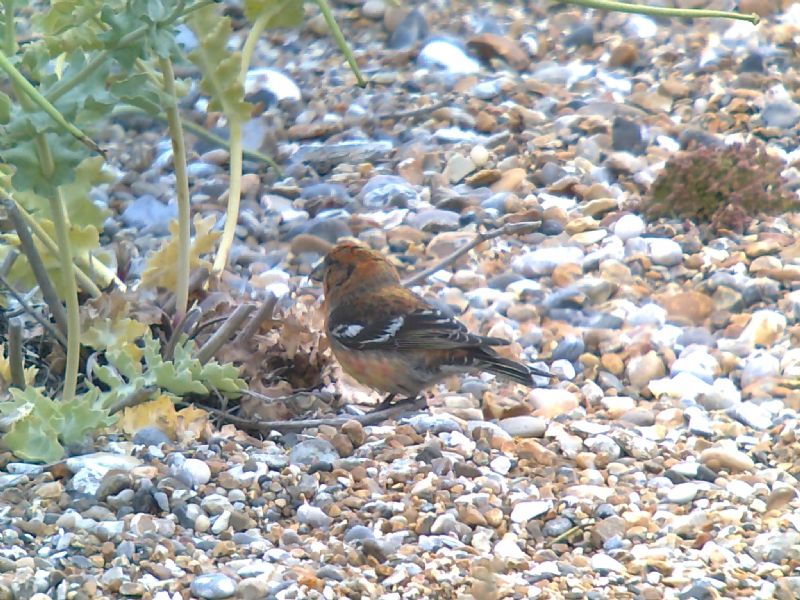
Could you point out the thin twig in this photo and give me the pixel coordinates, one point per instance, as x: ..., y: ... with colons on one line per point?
x: 288, y: 426
x: 140, y: 396
x: 202, y: 133
x: 224, y: 333
x: 37, y: 266
x: 29, y: 309
x: 264, y: 313
x: 507, y: 229
x: 569, y: 533
x: 183, y: 326
x: 15, y: 361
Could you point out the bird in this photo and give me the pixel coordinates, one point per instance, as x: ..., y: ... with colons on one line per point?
x: 390, y: 339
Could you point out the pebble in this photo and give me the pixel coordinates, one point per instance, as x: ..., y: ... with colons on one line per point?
x: 682, y: 493
x: 664, y: 251
x: 213, y: 586
x: 194, y: 472
x: 544, y: 260
x: 525, y: 511
x: 313, y: 516
x: 524, y: 426
x: 314, y: 451
x: 412, y: 29
x: 629, y: 226
x: 444, y: 54
x: 735, y: 461
x: 782, y: 114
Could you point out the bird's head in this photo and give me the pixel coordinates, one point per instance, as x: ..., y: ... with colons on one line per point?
x: 351, y: 266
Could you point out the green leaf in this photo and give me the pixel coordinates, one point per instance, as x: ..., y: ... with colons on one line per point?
x: 137, y: 90
x: 223, y: 377
x: 33, y: 435
x: 67, y: 155
x: 83, y: 415
x: 81, y: 209
x: 70, y: 25
x: 280, y: 13
x: 220, y: 67
x: 34, y: 439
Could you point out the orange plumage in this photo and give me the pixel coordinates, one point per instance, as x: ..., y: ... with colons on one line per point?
x: 389, y: 338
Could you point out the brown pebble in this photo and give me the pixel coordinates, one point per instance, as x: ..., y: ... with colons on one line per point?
x: 355, y: 431
x: 510, y: 180
x: 763, y: 8
x: 342, y: 444
x: 307, y: 243
x: 687, y: 307
x: 612, y: 363
x: 623, y: 55
x: 491, y: 45
x: 566, y: 274
x: 485, y: 122
x: 780, y: 497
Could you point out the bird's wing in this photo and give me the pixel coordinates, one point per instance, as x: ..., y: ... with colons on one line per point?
x: 427, y: 328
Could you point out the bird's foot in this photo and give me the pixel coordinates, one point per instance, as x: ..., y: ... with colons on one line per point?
x: 389, y: 402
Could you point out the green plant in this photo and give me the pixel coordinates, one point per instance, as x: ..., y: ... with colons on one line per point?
x: 723, y: 186
x: 88, y: 59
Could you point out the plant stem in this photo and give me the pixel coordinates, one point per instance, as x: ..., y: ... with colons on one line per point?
x: 15, y: 362
x: 204, y: 134
x: 37, y: 266
x: 658, y: 11
x: 225, y: 332
x: 249, y: 47
x: 181, y: 187
x: 22, y: 84
x: 87, y: 285
x: 234, y: 196
x: 10, y: 39
x: 46, y: 325
x: 235, y: 140
x: 339, y: 37
x: 61, y: 224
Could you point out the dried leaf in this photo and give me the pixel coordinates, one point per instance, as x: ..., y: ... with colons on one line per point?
x: 156, y: 413
x: 160, y: 270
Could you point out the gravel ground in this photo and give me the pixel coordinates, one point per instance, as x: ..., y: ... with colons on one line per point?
x: 662, y: 465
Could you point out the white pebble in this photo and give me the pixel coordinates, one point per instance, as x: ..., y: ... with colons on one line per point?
x: 629, y: 226
x: 479, y: 155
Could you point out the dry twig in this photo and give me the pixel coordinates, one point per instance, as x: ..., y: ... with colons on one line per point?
x: 29, y: 309
x: 37, y: 266
x: 224, y: 333
x: 15, y: 361
x: 264, y: 313
x: 507, y: 229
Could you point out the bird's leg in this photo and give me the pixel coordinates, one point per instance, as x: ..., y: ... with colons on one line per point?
x: 386, y: 403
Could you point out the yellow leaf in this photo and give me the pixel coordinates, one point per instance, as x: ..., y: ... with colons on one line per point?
x: 117, y: 334
x: 161, y: 272
x: 192, y: 421
x: 156, y: 413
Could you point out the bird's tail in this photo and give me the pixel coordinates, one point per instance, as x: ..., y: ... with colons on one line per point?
x: 511, y: 369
